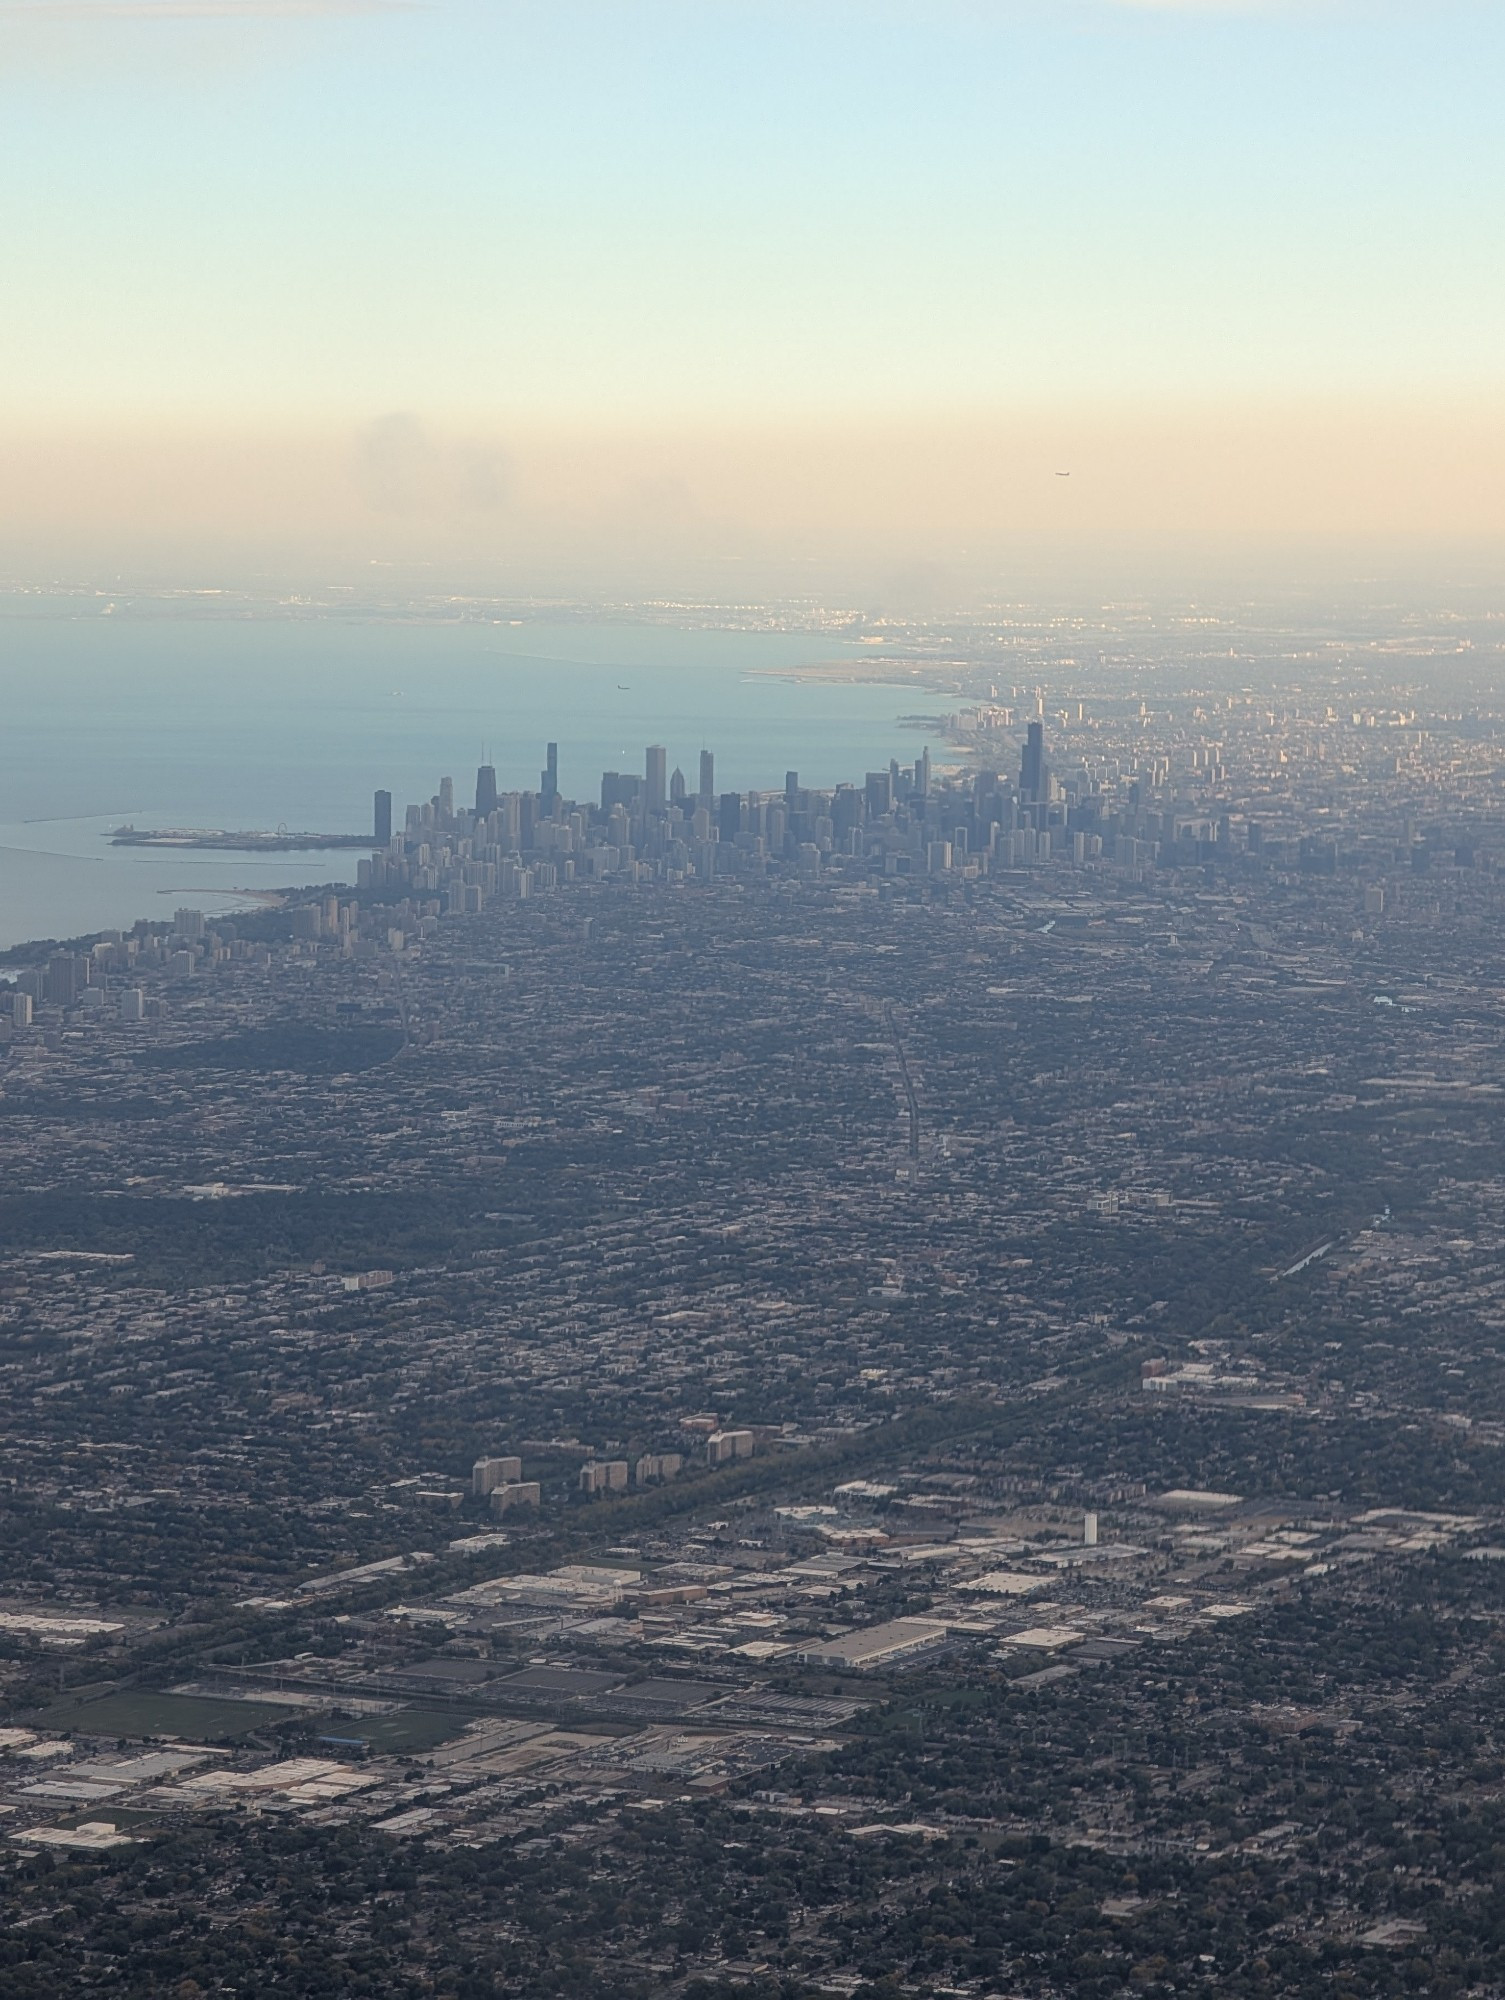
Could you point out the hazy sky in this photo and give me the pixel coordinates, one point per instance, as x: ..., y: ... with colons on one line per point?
x: 568, y: 283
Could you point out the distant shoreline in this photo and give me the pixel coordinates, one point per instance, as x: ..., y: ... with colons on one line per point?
x: 235, y: 843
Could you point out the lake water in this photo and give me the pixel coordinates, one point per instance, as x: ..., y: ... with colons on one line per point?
x: 266, y: 721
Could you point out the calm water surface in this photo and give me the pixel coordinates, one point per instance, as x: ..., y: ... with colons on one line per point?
x: 261, y: 722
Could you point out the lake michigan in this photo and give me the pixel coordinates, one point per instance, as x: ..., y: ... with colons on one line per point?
x: 267, y: 721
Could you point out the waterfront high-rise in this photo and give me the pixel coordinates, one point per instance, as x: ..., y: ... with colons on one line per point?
x: 656, y: 787
x: 548, y: 778
x: 382, y: 819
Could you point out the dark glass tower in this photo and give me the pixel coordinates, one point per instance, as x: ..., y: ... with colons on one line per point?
x: 1032, y: 765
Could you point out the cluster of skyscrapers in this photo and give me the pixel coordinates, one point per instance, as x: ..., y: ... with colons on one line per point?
x: 653, y: 825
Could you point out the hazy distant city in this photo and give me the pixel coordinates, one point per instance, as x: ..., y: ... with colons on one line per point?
x: 752, y: 1000
x: 891, y: 1386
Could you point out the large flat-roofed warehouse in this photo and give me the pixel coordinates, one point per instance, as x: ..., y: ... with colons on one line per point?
x: 879, y: 1645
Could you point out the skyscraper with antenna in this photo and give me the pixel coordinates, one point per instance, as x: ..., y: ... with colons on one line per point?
x: 485, y: 790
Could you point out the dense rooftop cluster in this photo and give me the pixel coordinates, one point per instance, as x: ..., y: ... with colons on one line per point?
x: 1008, y: 1349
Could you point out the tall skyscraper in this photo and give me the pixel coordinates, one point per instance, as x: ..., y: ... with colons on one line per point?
x: 707, y: 777
x: 485, y: 791
x: 922, y: 774
x: 1032, y: 765
x: 382, y: 819
x: 63, y: 980
x: 656, y: 789
x: 985, y: 804
x: 548, y: 778
x: 446, y: 798
x: 847, y: 808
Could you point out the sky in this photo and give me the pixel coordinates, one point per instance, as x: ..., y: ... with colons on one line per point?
x: 644, y: 293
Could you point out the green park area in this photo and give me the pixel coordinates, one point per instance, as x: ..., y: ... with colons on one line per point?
x: 141, y: 1712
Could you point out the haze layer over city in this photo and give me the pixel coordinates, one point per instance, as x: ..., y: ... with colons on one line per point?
x: 752, y: 858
